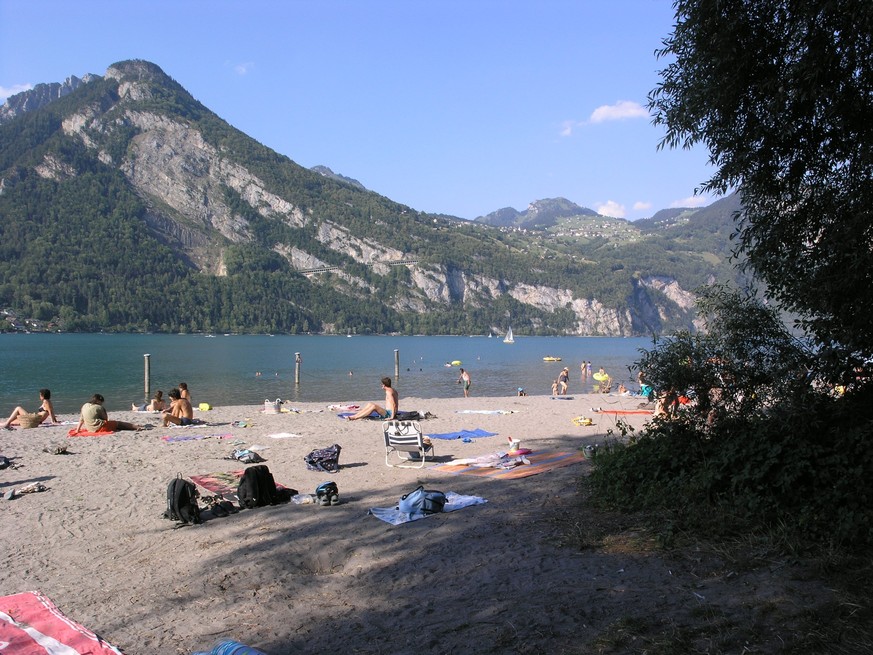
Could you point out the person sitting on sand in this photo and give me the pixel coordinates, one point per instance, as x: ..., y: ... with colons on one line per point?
x: 183, y: 391
x: 157, y: 404
x: 93, y: 418
x: 180, y: 411
x: 392, y: 405
x: 46, y: 410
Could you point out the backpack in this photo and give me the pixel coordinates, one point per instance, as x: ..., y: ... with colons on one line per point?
x: 182, y: 501
x: 324, y: 459
x: 422, y: 501
x: 257, y: 488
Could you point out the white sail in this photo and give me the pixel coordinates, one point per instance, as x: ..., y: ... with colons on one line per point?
x: 509, y: 338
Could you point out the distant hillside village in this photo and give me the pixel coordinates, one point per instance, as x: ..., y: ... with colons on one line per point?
x: 13, y: 323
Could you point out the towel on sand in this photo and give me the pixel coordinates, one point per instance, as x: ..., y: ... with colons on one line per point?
x: 174, y: 438
x: 31, y: 624
x: 454, y: 502
x: 497, y: 467
x: 86, y: 433
x: 462, y: 434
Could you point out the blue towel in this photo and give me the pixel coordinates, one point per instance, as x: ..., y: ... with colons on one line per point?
x: 463, y: 434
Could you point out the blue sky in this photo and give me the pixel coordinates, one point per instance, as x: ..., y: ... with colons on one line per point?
x: 458, y: 107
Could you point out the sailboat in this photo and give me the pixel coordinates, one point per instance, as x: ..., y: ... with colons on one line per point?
x: 508, y: 338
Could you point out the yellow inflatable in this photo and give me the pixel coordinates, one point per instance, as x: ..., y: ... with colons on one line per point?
x: 582, y: 420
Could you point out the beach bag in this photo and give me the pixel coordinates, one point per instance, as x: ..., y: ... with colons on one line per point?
x: 27, y: 420
x: 422, y: 501
x: 246, y: 456
x: 409, y: 416
x: 324, y: 459
x: 257, y: 488
x: 182, y: 501
x: 272, y: 406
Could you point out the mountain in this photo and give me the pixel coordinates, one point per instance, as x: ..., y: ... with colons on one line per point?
x: 125, y: 204
x: 538, y: 215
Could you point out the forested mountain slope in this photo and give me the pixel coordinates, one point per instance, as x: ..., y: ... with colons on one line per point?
x: 125, y: 204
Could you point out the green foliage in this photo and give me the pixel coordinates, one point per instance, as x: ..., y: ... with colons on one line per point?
x: 761, y: 442
x: 782, y: 94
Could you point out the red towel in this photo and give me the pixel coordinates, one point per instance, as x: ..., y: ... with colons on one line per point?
x: 85, y: 433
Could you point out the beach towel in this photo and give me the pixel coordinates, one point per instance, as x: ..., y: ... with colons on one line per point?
x: 338, y: 408
x: 462, y: 434
x: 454, y: 502
x: 31, y: 624
x: 86, y: 433
x: 175, y: 438
x: 223, y: 484
x: 373, y: 415
x: 560, y: 397
x: 485, y: 411
x: 622, y: 412
x: 539, y: 463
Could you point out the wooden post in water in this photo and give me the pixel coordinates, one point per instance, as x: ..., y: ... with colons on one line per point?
x: 298, y: 360
x: 147, y: 363
x: 396, y: 363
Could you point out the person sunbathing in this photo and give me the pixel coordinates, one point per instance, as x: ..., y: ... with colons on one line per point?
x: 93, y: 417
x: 392, y: 405
x: 45, y: 411
x: 180, y: 411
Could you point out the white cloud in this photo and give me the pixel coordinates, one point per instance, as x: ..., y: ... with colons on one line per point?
x: 243, y: 68
x: 641, y: 205
x: 691, y: 201
x: 621, y: 110
x: 610, y: 208
x: 6, y: 91
x: 567, y: 127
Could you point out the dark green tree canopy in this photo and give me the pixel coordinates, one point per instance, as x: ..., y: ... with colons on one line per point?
x: 781, y: 93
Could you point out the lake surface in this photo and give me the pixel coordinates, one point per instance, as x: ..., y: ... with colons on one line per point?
x: 222, y: 370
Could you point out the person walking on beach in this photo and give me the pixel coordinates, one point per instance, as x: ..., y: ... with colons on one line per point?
x: 93, y: 417
x: 392, y: 405
x: 45, y: 411
x: 466, y: 381
x: 180, y: 411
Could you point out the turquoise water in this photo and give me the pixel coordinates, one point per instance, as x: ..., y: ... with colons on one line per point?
x: 222, y: 370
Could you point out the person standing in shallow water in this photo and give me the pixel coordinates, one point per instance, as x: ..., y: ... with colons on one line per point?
x: 466, y: 381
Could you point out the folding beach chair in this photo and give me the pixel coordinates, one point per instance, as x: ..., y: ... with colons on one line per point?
x: 405, y: 437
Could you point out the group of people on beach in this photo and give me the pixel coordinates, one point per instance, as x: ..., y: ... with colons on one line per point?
x: 180, y: 410
x: 93, y: 416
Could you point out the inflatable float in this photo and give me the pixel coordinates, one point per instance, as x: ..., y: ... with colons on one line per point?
x: 549, y: 358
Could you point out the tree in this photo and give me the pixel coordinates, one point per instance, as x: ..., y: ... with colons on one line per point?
x: 781, y: 93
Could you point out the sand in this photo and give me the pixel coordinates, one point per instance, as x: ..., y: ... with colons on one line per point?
x: 492, y: 578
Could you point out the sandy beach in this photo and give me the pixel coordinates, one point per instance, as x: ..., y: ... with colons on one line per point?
x: 498, y: 577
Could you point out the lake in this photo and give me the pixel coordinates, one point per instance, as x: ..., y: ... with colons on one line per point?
x: 223, y: 370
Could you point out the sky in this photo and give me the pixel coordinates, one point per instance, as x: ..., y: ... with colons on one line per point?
x: 458, y: 107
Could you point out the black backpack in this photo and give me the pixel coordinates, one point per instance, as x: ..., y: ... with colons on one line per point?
x: 182, y: 501
x: 257, y: 488
x: 324, y: 459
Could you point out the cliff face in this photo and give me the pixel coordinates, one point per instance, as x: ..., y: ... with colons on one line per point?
x: 186, y: 182
x: 40, y: 96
